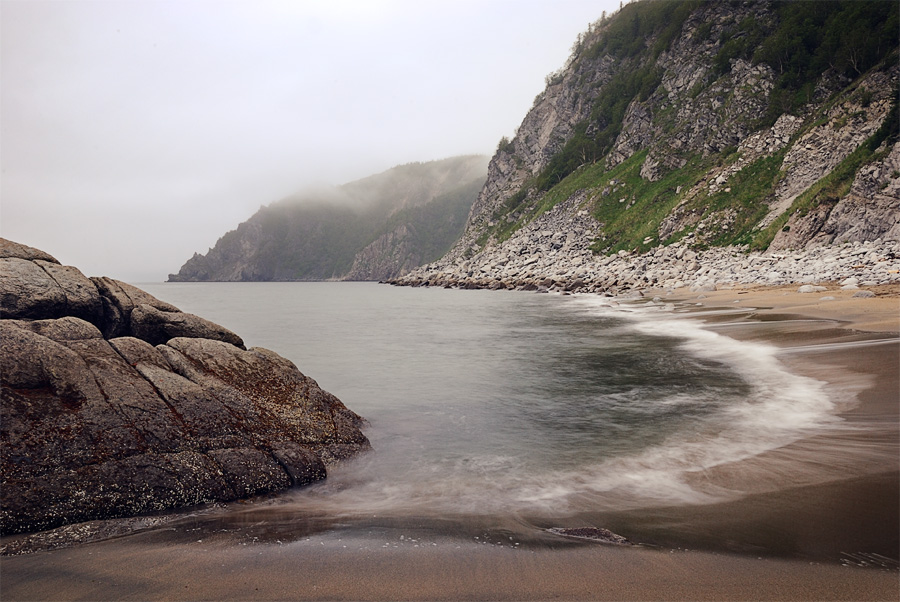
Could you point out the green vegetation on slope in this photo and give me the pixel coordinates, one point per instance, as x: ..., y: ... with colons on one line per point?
x: 800, y: 41
x: 849, y: 37
x: 631, y: 208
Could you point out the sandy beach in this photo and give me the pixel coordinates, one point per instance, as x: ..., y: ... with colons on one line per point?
x: 879, y: 314
x: 830, y: 534
x: 348, y: 570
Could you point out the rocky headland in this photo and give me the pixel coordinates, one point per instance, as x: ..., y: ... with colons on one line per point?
x: 682, y: 144
x: 676, y: 149
x: 374, y: 228
x: 554, y: 254
x: 115, y: 403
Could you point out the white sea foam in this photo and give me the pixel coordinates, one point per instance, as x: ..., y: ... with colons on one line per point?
x: 440, y: 404
x: 778, y: 408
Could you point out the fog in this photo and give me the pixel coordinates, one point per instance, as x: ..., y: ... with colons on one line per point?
x: 133, y: 134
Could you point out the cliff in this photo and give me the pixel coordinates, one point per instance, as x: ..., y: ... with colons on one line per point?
x: 375, y: 228
x: 756, y: 126
x: 114, y: 403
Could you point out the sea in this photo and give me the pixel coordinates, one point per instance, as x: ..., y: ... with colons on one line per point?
x: 501, y: 415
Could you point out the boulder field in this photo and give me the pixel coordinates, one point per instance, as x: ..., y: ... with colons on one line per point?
x: 554, y: 253
x: 114, y: 403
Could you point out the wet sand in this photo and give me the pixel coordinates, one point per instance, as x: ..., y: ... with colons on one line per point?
x: 877, y: 314
x: 833, y: 536
x: 327, y: 570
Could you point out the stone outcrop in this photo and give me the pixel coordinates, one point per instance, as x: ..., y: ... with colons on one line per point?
x: 822, y: 147
x: 115, y: 403
x: 871, y: 210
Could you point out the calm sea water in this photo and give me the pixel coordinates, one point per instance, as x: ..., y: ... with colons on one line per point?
x: 523, y: 407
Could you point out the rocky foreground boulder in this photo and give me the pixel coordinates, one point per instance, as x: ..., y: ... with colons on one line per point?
x: 114, y: 403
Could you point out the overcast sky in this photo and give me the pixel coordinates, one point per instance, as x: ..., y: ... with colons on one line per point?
x: 136, y: 132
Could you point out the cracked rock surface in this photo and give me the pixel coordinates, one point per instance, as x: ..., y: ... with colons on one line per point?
x: 114, y: 403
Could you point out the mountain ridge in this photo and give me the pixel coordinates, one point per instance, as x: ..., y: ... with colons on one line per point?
x: 329, y: 234
x: 690, y: 97
x: 703, y: 132
x: 750, y: 124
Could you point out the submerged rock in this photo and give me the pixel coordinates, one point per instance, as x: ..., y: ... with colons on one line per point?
x: 595, y: 534
x: 114, y: 403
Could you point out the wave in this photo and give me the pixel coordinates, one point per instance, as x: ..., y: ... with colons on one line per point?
x: 779, y: 408
x: 773, y: 409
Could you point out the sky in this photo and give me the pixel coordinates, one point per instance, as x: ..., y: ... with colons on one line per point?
x: 134, y: 133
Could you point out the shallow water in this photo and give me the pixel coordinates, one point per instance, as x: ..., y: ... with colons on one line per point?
x: 528, y: 409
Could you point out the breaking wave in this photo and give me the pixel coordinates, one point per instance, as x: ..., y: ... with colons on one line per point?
x: 647, y: 404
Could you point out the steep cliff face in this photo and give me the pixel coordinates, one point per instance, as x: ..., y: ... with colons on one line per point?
x: 871, y: 210
x: 725, y: 122
x: 357, y: 231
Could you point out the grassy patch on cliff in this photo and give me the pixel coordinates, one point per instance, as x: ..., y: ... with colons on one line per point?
x: 631, y: 208
x: 742, y: 201
x: 800, y: 41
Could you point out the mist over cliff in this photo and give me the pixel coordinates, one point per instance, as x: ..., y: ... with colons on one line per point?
x: 706, y: 124
x: 375, y: 228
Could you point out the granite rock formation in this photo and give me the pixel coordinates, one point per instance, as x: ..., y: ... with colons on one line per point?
x: 115, y: 403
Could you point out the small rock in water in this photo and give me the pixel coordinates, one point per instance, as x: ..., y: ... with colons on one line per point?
x: 809, y: 288
x: 592, y: 534
x: 864, y: 294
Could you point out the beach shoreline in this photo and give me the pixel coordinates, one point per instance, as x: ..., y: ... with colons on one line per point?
x: 783, y: 542
x: 350, y: 569
x: 877, y: 314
